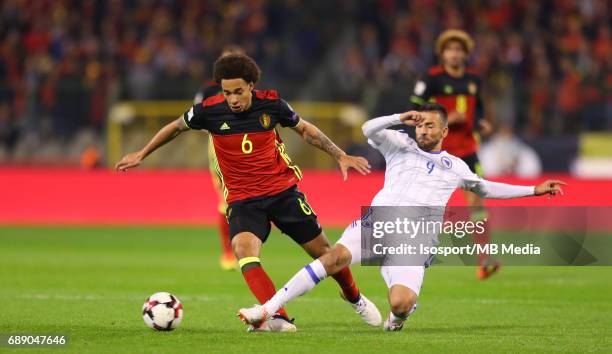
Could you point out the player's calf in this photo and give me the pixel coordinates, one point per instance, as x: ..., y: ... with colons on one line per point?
x: 246, y: 246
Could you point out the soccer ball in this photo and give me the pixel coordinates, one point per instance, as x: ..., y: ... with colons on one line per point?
x: 162, y: 311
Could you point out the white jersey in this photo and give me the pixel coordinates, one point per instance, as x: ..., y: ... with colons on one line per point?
x: 414, y: 177
x: 417, y: 178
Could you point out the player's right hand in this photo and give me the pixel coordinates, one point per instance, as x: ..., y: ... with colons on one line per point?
x: 411, y: 117
x: 358, y: 163
x: 129, y: 161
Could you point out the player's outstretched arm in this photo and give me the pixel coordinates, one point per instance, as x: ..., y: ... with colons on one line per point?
x: 496, y: 190
x: 315, y: 137
x: 163, y: 136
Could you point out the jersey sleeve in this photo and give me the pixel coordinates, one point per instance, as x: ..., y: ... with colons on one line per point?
x: 387, y: 141
x: 287, y: 117
x: 392, y: 143
x: 468, y: 180
x: 195, y: 117
x: 421, y: 92
x: 486, y: 189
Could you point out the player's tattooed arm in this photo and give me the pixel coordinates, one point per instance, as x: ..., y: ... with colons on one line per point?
x: 163, y: 136
x: 315, y: 137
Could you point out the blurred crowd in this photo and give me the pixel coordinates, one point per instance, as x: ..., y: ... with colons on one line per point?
x: 546, y: 64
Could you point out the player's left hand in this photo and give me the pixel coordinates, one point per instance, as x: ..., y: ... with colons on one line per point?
x: 357, y: 162
x: 551, y: 187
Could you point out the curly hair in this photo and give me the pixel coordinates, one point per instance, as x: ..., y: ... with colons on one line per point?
x: 236, y: 66
x: 454, y: 35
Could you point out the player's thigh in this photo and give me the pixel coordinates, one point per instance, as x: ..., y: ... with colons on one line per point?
x: 248, y: 218
x: 292, y: 214
x: 408, y: 276
x: 351, y: 240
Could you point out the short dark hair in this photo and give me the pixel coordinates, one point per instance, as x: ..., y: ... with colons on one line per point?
x: 236, y: 66
x: 435, y: 107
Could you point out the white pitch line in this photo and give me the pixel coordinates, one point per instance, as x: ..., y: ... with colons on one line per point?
x: 331, y: 299
x: 98, y: 297
x: 183, y: 298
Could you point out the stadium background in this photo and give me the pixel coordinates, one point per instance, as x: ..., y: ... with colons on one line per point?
x: 83, y: 82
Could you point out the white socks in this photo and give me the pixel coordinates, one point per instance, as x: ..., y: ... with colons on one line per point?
x: 397, y: 320
x: 301, y: 283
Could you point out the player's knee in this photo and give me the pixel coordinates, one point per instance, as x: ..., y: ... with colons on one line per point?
x: 336, y: 259
x: 343, y: 256
x: 402, y: 301
x: 401, y: 306
x: 238, y: 248
x: 245, y: 245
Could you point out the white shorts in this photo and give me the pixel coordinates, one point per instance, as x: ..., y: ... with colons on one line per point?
x: 408, y: 276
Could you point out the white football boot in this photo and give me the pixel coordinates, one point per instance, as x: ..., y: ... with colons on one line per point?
x: 366, y: 310
x: 392, y: 325
x: 254, y: 316
x: 259, y: 320
x: 276, y: 323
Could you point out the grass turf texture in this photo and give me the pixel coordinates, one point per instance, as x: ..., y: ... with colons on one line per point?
x: 89, y: 283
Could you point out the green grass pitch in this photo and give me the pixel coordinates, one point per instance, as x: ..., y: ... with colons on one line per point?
x: 90, y: 282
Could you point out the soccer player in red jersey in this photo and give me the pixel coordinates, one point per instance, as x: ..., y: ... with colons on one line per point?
x: 228, y: 260
x: 457, y: 87
x: 259, y: 179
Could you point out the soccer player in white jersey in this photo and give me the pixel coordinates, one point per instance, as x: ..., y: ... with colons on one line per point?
x: 410, y: 180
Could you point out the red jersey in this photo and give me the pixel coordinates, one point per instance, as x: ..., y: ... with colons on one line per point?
x: 456, y: 95
x: 250, y: 156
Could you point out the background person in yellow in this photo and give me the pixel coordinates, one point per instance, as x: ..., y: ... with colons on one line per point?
x: 228, y: 260
x: 458, y: 89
